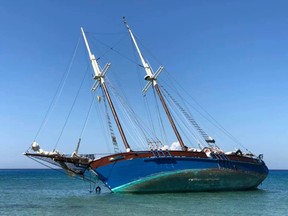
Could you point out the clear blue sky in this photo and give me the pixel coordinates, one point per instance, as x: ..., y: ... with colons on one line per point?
x: 231, y: 56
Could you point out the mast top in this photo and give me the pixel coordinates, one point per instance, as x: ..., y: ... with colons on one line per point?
x: 150, y: 75
x: 144, y: 63
x: 92, y: 57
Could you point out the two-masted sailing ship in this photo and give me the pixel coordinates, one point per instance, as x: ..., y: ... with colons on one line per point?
x: 158, y: 169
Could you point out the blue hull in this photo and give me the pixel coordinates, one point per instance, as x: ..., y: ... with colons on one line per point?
x: 176, y: 174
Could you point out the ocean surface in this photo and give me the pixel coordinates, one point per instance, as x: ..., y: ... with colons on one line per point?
x: 50, y: 192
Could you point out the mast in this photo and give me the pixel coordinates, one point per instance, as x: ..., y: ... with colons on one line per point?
x: 152, y: 78
x: 99, y: 77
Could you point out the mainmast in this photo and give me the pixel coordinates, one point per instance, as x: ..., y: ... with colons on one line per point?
x: 152, y: 78
x: 99, y: 77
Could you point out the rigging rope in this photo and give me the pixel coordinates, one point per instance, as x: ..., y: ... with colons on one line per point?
x: 130, y: 116
x: 146, y: 103
x: 163, y: 131
x: 190, y: 119
x: 113, y: 137
x: 103, y: 123
x: 60, y: 171
x: 70, y: 111
x: 212, y: 120
x: 58, y: 91
x: 184, y: 123
x: 87, y: 116
x: 112, y: 48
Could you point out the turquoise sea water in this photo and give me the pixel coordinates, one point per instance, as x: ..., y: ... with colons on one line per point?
x: 49, y: 192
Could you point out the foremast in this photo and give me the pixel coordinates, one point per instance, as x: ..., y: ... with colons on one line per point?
x: 152, y: 78
x: 99, y: 77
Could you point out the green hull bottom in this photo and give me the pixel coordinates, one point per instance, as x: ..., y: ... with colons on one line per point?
x: 194, y: 180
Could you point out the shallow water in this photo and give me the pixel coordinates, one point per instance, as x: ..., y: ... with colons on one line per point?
x: 49, y: 192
